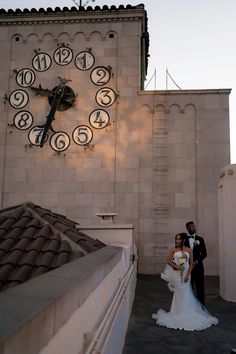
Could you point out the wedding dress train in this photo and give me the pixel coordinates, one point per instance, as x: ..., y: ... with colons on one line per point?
x: 186, y: 311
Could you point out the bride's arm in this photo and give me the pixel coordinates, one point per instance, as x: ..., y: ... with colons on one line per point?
x: 170, y: 260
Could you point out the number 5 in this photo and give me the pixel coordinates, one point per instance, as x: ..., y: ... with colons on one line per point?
x: 82, y: 135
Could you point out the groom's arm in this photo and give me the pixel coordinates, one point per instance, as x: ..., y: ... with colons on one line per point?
x: 203, y: 252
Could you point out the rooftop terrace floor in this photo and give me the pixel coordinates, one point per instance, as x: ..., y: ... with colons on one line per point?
x: 144, y: 336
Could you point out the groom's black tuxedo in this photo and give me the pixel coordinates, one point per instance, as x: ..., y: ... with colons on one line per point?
x: 197, y: 275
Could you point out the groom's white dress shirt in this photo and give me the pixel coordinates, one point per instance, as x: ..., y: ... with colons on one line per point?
x: 191, y: 240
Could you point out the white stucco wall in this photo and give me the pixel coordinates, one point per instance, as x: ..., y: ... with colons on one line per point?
x: 227, y: 227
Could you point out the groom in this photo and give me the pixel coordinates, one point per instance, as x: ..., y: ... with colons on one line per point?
x: 199, y: 254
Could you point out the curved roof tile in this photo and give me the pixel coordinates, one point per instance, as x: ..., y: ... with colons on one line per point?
x: 35, y: 240
x: 73, y: 9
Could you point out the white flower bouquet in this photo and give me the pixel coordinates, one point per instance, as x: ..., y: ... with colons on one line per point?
x: 180, y: 262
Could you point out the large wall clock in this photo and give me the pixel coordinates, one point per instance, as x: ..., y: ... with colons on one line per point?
x: 61, y: 97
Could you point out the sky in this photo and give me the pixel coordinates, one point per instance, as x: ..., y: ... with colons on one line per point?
x: 193, y: 39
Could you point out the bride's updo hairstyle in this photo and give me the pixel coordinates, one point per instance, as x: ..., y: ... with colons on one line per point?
x: 182, y: 236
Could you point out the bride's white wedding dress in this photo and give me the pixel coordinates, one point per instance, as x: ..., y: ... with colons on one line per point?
x: 186, y: 311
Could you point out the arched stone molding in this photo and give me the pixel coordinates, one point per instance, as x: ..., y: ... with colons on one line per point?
x: 190, y: 106
x: 33, y: 37
x: 48, y: 36
x: 64, y: 37
x: 145, y: 108
x: 96, y: 34
x: 174, y: 108
x: 49, y: 39
x: 161, y: 108
x: 81, y: 35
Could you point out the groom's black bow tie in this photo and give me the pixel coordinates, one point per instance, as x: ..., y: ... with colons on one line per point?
x: 190, y: 236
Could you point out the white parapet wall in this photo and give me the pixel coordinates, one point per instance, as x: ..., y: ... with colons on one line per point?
x: 113, y: 235
x: 227, y: 232
x: 82, y: 307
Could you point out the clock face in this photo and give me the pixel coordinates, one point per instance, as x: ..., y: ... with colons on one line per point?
x: 46, y: 101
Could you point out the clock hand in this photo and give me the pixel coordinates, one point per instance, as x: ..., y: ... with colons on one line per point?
x: 46, y: 92
x: 57, y: 95
x: 41, y: 91
x: 67, y: 100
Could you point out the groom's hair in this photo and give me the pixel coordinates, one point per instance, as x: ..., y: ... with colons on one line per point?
x: 189, y: 223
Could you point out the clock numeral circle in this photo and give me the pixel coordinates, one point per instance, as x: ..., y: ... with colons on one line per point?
x: 18, y: 99
x: 25, y: 77
x: 99, y: 119
x: 23, y: 120
x: 63, y: 56
x: 84, y: 60
x: 35, y: 135
x: 60, y: 141
x: 105, y: 97
x: 82, y: 135
x: 41, y: 62
x: 100, y: 75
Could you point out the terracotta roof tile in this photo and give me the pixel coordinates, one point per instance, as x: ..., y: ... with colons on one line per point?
x: 51, y: 245
x: 7, y: 224
x: 2, y: 219
x: 2, y: 233
x: 28, y: 257
x: 73, y: 235
x: 72, y: 9
x: 60, y: 259
x: 6, y: 245
x: 88, y: 247
x: 64, y: 247
x: 34, y: 223
x: 34, y: 240
x: 45, y: 259
x: 13, y: 234
x: 31, y: 232
x: 20, y: 274
x: 38, y: 271
x: 22, y: 222
x: 61, y: 227
x: 36, y: 244
x: 21, y: 244
x: 11, y: 257
x: 45, y: 232
x: 5, y: 272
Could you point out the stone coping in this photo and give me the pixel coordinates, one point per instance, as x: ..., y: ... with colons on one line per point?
x: 106, y: 227
x: 186, y: 92
x: 43, y: 304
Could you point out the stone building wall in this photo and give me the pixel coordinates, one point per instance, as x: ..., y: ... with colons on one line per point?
x: 188, y: 141
x: 156, y: 164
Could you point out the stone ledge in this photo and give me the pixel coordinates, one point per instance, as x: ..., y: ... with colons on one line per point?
x: 185, y: 92
x: 42, y: 305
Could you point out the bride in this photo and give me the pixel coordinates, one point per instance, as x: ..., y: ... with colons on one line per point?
x: 186, y: 311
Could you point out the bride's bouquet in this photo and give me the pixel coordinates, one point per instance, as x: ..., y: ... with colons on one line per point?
x: 180, y: 262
